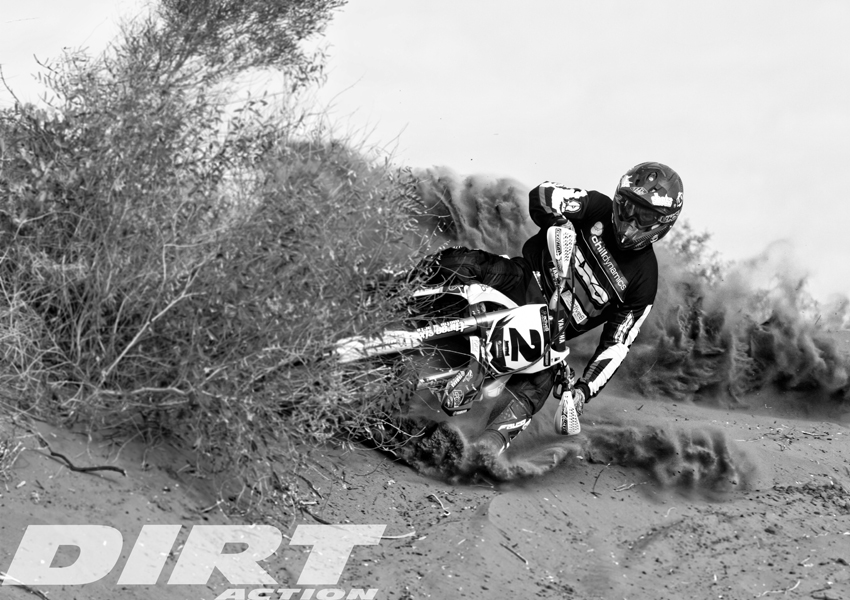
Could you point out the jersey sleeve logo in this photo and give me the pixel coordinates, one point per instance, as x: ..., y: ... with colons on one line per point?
x: 571, y: 206
x: 566, y: 200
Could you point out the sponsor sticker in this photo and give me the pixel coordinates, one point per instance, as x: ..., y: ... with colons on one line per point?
x: 579, y: 316
x: 455, y: 398
x: 571, y: 206
x: 664, y: 201
x: 439, y: 328
x: 597, y: 228
x: 456, y: 379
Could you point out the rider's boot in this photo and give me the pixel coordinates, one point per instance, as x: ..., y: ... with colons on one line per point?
x: 499, y: 433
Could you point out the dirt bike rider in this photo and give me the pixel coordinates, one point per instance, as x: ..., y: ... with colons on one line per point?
x: 614, y: 273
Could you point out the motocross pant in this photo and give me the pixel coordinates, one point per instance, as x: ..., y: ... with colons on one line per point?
x: 524, y: 395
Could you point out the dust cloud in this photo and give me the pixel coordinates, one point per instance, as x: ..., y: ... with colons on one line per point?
x: 476, y: 211
x: 754, y: 327
x: 699, y: 459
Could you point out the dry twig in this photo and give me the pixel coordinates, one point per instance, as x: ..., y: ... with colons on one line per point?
x: 598, y: 475
x: 310, y: 483
x: 514, y: 552
x: 71, y: 465
x: 315, y: 516
x: 785, y: 591
x: 435, y: 497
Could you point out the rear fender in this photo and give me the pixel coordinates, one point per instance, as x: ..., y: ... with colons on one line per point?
x: 473, y: 293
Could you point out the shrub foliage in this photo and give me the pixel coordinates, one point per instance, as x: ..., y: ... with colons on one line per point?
x: 177, y: 261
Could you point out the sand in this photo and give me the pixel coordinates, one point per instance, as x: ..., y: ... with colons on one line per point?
x: 655, y: 499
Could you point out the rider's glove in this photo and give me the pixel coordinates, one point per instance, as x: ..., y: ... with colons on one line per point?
x: 578, y: 400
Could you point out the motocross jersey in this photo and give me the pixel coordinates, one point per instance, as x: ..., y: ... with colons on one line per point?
x: 610, y: 287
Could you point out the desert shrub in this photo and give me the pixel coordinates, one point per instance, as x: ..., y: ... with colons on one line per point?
x: 291, y: 276
x: 26, y: 350
x: 177, y: 258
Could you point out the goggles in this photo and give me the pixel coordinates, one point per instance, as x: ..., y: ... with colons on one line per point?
x: 642, y: 216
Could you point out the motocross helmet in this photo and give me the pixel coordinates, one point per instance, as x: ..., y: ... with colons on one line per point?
x: 646, y: 204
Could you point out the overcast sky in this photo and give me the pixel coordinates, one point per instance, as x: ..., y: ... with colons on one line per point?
x: 748, y: 100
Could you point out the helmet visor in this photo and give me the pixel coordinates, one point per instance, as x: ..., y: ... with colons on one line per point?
x: 641, y: 215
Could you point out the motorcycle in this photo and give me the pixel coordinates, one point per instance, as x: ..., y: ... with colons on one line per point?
x: 475, y: 339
